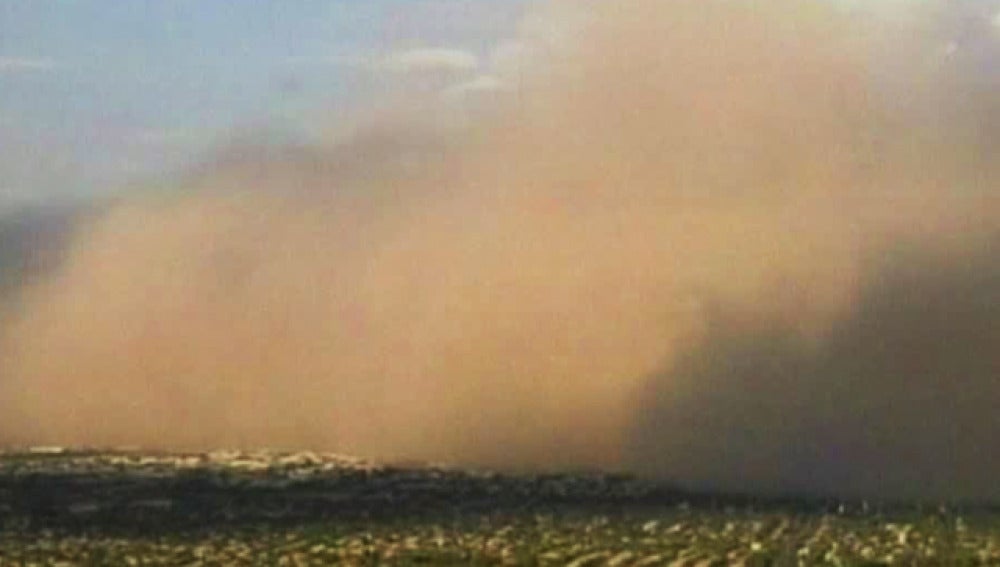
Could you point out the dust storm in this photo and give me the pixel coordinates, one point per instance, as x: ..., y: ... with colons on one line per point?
x: 740, y: 245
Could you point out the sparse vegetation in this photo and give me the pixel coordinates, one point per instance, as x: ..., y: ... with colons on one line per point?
x: 129, y: 508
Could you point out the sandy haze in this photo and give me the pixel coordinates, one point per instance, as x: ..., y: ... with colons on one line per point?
x: 734, y: 244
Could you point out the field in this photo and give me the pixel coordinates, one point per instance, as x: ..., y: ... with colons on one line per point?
x: 223, y: 508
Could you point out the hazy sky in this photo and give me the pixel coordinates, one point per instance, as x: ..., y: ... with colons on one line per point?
x: 97, y: 94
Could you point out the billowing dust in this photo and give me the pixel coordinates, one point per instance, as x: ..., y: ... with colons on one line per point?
x: 744, y: 245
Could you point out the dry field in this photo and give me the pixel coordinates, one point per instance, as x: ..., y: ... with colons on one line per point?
x: 61, y: 507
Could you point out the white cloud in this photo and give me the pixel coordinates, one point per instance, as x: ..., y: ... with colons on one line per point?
x: 408, y: 61
x: 479, y: 84
x: 431, y: 59
x: 8, y: 63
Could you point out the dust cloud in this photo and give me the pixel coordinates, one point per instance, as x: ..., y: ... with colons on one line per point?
x: 741, y: 245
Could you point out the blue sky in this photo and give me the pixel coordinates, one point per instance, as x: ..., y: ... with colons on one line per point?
x: 97, y: 94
